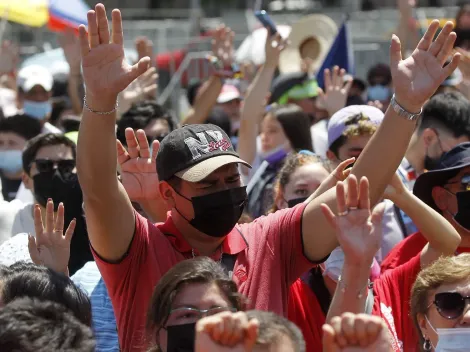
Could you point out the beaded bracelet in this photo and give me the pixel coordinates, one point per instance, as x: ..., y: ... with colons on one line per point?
x: 99, y: 112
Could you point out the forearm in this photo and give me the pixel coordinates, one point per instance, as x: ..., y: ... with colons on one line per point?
x: 351, y: 292
x: 252, y: 111
x: 204, y: 101
x: 96, y: 150
x: 383, y: 154
x: 440, y: 234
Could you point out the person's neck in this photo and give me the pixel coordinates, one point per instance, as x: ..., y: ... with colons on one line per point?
x: 415, y: 161
x: 202, y: 243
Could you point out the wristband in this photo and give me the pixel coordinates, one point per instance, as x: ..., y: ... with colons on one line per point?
x: 401, y: 111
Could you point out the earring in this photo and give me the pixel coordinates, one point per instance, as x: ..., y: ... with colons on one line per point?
x: 427, y: 346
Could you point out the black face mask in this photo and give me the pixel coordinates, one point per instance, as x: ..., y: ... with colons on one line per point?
x: 431, y: 163
x: 216, y: 214
x: 181, y: 338
x: 60, y: 187
x: 463, y: 214
x: 293, y: 202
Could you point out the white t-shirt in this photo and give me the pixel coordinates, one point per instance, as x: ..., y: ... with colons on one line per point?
x: 319, y: 133
x: 15, y: 217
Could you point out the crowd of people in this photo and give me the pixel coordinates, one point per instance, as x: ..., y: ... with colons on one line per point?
x: 276, y: 215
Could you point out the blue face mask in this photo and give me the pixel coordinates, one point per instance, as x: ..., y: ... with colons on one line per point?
x: 11, y: 160
x: 378, y: 92
x: 38, y: 110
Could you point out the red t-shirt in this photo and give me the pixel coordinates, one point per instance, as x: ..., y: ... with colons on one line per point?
x: 306, y: 313
x: 269, y: 259
x: 407, y: 249
x: 392, y: 293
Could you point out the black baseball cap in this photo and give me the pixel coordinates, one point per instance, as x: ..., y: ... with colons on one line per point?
x: 193, y: 152
x: 449, y: 166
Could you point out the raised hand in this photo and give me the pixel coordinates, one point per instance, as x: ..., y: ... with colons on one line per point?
x: 356, y: 333
x: 395, y: 189
x: 336, y: 91
x: 9, y: 58
x: 144, y: 87
x: 338, y: 174
x: 358, y: 231
x: 464, y: 64
x: 416, y: 78
x: 226, y: 332
x: 222, y: 45
x: 70, y: 44
x: 144, y: 47
x: 105, y: 70
x: 275, y: 44
x: 51, y: 247
x: 138, y: 167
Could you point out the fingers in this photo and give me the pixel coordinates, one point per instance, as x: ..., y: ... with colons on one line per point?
x: 360, y: 328
x: 103, y: 26
x: 49, y: 216
x: 70, y: 230
x: 341, y: 198
x: 117, y: 34
x: 84, y: 43
x: 395, y: 51
x: 139, y: 68
x: 339, y: 171
x: 251, y: 334
x: 337, y: 77
x: 348, y: 328
x: 348, y: 85
x: 38, y: 225
x: 144, y: 149
x: 335, y: 323
x: 329, y: 344
x: 428, y: 37
x: 447, y: 48
x: 33, y: 250
x: 122, y: 155
x: 353, y: 192
x: 364, y: 198
x: 329, y: 215
x: 132, y: 145
x: 93, y: 35
x: 59, y: 220
x: 436, y: 46
x: 155, y: 149
x: 327, y: 78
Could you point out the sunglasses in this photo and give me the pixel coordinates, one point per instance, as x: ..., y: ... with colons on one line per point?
x: 450, y: 305
x: 47, y: 165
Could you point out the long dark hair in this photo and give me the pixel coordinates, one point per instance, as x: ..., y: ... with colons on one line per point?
x: 197, y: 270
x: 296, y: 125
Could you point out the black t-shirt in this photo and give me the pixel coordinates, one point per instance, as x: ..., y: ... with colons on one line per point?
x: 9, y: 187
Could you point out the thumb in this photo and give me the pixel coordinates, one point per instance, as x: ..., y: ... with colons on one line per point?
x: 377, y: 214
x: 395, y: 51
x: 33, y: 250
x: 139, y: 68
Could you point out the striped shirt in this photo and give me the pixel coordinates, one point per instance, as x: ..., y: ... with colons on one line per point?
x: 89, y: 279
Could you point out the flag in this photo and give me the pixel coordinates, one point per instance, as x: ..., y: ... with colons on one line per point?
x: 340, y: 54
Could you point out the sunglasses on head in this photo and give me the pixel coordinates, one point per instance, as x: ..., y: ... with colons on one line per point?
x: 47, y: 165
x: 450, y: 305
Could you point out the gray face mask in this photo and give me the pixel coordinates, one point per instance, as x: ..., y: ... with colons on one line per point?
x: 451, y: 340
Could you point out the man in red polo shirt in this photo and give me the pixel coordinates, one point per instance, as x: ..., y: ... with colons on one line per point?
x: 446, y: 189
x: 200, y: 183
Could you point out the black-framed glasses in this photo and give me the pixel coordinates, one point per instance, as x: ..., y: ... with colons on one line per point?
x: 190, y: 315
x: 48, y: 165
x: 450, y: 305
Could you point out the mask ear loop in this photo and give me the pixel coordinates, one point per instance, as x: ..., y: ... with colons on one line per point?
x: 428, y: 346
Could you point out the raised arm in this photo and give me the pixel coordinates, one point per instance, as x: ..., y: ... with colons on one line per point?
x: 222, y: 48
x: 415, y: 80
x: 253, y: 107
x: 109, y: 214
x: 359, y: 233
x: 443, y: 238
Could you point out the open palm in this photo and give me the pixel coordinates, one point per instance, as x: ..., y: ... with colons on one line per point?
x: 138, y: 166
x: 416, y: 78
x: 51, y: 247
x: 105, y: 69
x: 358, y: 231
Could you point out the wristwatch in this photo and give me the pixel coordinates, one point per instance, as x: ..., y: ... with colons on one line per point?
x: 402, y: 112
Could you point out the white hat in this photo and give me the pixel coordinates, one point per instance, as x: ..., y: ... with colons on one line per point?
x: 342, y: 119
x: 34, y: 75
x: 319, y: 27
x: 229, y: 92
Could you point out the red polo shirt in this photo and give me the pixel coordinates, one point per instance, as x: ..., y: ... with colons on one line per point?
x: 269, y: 259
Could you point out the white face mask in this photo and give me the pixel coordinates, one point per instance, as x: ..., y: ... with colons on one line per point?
x: 451, y: 340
